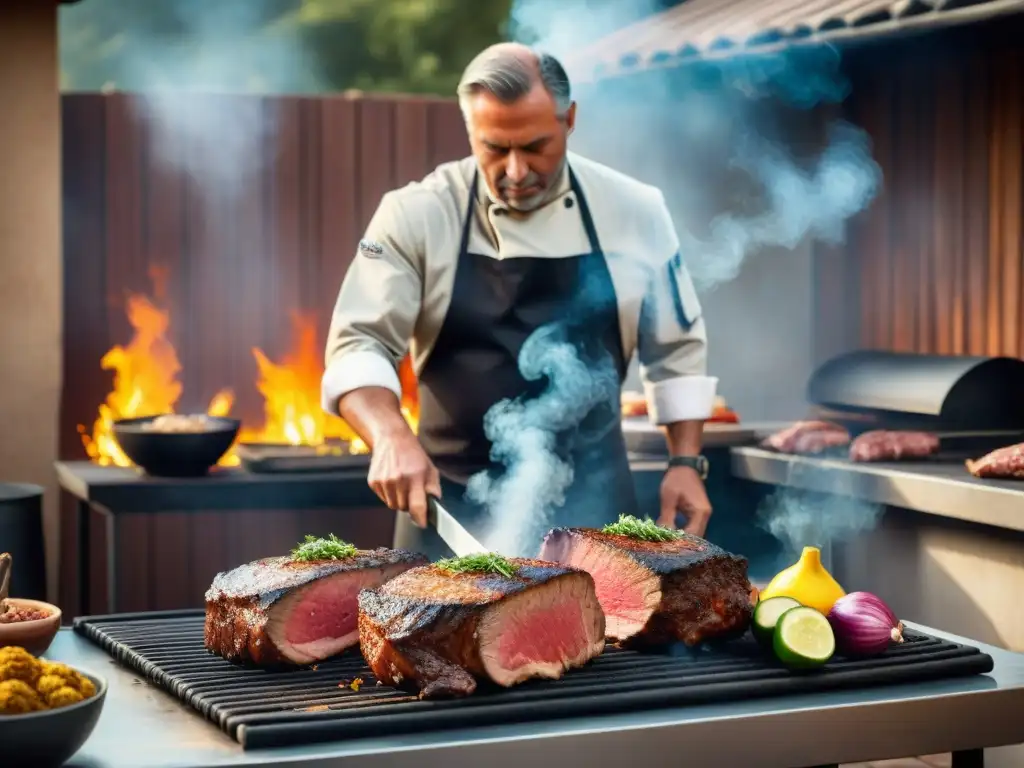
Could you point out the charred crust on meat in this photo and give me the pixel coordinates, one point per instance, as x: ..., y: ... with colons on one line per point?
x: 423, y: 630
x: 662, y: 557
x: 240, y: 603
x: 441, y: 596
x: 655, y: 593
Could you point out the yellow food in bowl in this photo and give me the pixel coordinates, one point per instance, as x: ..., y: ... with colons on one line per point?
x: 28, y: 684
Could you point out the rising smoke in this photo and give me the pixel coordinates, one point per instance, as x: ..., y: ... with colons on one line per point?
x: 524, y: 436
x: 198, y: 68
x: 718, y: 116
x: 798, y: 517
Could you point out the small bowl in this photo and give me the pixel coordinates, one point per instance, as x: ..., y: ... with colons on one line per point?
x: 48, y: 739
x: 175, y: 454
x: 34, y: 636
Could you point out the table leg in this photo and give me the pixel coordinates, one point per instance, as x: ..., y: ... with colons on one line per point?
x: 82, y: 515
x: 110, y: 526
x: 969, y: 758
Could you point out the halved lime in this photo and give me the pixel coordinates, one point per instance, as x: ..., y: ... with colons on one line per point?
x: 803, y: 638
x: 766, y: 616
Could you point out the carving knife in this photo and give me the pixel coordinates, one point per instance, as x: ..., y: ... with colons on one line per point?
x: 458, y: 539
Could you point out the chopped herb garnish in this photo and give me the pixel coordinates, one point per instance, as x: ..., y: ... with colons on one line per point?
x: 645, y: 530
x: 482, y: 563
x: 330, y: 548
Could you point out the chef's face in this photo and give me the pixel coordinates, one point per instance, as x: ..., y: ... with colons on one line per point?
x: 520, y: 147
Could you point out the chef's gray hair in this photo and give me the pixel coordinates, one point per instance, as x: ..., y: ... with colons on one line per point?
x: 509, y: 76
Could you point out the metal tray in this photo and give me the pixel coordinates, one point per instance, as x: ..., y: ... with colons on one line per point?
x: 263, y: 709
x: 274, y: 458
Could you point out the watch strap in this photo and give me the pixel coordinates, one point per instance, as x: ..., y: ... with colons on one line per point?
x: 698, y: 463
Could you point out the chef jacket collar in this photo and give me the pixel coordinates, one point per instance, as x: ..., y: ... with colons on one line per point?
x: 560, y: 190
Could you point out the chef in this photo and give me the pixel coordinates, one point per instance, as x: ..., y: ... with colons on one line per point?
x: 462, y: 268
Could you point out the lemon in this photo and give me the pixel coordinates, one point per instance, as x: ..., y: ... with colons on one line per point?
x: 807, y: 582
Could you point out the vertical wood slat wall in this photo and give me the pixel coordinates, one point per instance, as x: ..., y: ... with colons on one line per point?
x: 237, y: 264
x: 939, y: 256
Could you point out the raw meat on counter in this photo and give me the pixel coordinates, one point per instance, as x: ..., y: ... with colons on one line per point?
x: 443, y: 628
x: 681, y: 588
x: 1004, y: 463
x: 808, y: 437
x: 289, y: 610
x: 886, y: 445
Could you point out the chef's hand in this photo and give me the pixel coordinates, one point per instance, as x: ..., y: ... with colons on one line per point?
x: 682, y: 491
x: 402, y: 475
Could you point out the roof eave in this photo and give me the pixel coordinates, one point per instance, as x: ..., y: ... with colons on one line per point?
x: 722, y: 49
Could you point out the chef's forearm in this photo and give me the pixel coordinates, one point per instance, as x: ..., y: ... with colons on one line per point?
x: 684, y: 437
x: 375, y: 413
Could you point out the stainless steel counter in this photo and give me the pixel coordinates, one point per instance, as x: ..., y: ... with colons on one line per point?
x: 141, y: 727
x: 946, y: 490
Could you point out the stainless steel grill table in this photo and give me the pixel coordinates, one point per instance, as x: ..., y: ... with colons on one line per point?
x: 142, y: 727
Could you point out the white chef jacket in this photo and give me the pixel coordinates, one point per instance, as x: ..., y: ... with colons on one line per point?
x: 396, y: 293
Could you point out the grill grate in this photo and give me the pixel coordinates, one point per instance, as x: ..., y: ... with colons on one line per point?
x: 262, y: 709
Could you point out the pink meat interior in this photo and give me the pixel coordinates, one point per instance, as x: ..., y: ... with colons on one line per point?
x: 321, y: 619
x: 542, y: 632
x: 327, y: 608
x: 628, y: 592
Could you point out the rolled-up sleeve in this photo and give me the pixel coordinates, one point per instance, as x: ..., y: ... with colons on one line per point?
x: 377, y: 307
x: 672, y: 341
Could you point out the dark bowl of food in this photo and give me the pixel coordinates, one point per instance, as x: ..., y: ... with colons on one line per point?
x: 176, y: 445
x: 47, y: 710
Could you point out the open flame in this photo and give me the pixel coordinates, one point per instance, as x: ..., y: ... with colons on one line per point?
x: 146, y: 383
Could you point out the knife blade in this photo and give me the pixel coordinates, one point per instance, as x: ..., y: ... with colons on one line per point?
x: 458, y: 539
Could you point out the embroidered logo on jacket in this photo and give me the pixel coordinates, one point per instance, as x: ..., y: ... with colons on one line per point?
x: 371, y: 249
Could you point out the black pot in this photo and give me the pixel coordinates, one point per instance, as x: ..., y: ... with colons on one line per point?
x: 175, y: 454
x: 21, y: 534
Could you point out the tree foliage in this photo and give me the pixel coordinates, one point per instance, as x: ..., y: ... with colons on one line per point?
x: 412, y: 46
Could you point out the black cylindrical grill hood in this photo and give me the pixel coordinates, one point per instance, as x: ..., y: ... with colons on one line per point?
x: 902, y: 390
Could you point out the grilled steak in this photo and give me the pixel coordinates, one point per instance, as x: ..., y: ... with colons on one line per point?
x: 655, y: 593
x: 1004, y: 463
x: 280, y: 611
x: 442, y: 632
x: 808, y: 437
x: 885, y: 445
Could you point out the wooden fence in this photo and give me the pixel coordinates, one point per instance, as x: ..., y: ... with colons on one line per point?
x: 239, y: 259
x: 939, y: 257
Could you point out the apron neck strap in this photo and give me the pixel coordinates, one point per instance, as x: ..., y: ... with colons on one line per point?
x: 587, y: 219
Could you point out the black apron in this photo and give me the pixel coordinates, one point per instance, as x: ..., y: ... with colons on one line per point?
x: 496, y: 305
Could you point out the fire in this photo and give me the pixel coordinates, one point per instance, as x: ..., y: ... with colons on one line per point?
x: 291, y: 396
x: 146, y: 383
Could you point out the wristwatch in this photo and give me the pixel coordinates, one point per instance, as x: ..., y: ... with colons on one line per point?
x: 699, y: 463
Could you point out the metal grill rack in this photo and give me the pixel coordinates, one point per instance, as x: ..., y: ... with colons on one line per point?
x: 262, y: 709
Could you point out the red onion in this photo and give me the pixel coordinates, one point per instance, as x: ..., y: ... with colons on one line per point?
x: 864, y: 625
